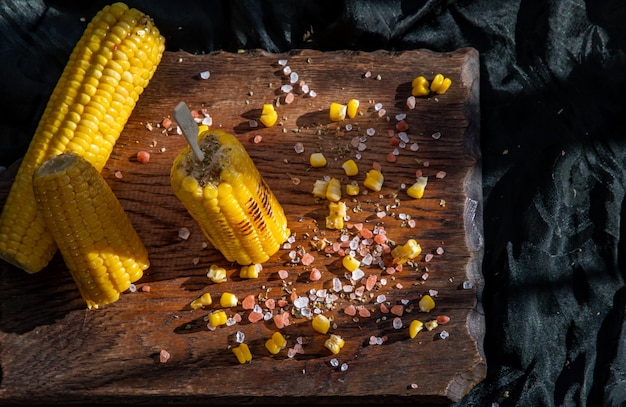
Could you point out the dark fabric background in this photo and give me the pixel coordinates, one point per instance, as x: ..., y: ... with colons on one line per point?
x: 553, y: 152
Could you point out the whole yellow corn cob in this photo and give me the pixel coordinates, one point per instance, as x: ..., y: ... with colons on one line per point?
x: 107, y: 71
x: 99, y: 244
x: 228, y: 198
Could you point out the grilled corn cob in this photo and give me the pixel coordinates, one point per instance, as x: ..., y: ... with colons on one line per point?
x: 106, y: 72
x: 101, y: 249
x: 228, y: 198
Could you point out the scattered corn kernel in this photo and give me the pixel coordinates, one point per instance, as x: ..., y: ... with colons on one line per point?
x: 350, y: 262
x: 217, y: 318
x: 242, y: 352
x: 350, y: 167
x: 440, y: 84
x: 374, y: 180
x: 228, y: 300
x: 337, y: 111
x: 321, y: 323
x: 432, y: 324
x: 333, y: 192
x: 204, y: 299
x: 269, y: 116
x: 415, y: 327
x: 276, y: 343
x: 417, y: 189
x: 352, y: 108
x: 426, y: 303
x: 251, y: 271
x: 216, y: 274
x: 419, y: 86
x: 336, y: 215
x: 317, y: 160
x: 352, y: 188
x: 319, y: 188
x: 334, y: 343
x: 408, y: 251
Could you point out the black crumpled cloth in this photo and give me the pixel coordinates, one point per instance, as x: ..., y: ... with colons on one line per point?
x: 553, y: 153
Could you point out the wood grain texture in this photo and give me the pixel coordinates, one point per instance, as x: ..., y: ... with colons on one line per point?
x: 53, y: 350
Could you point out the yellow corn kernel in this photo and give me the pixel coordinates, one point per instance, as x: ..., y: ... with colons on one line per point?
x: 269, y: 115
x: 350, y: 167
x: 200, y: 302
x: 317, y: 160
x: 415, y: 327
x: 417, y: 189
x: 217, y: 318
x: 426, y: 303
x: 352, y: 188
x: 350, y: 262
x: 420, y: 86
x: 228, y: 300
x: 408, y: 251
x: 321, y: 323
x: 276, y: 343
x: 334, y: 343
x: 337, y: 111
x: 319, y: 188
x: 432, y: 324
x: 333, y: 191
x: 99, y: 244
x: 228, y: 198
x: 440, y: 84
x: 250, y: 271
x: 374, y: 180
x: 85, y: 114
x: 242, y: 353
x: 336, y: 214
x: 353, y: 108
x: 217, y: 274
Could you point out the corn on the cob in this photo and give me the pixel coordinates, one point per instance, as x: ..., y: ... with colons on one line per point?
x: 107, y: 71
x: 100, y: 246
x: 229, y: 199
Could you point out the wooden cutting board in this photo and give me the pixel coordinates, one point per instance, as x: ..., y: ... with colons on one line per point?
x: 55, y: 350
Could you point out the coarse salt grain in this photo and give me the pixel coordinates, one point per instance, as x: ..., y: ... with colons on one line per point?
x: 164, y: 356
x: 205, y: 74
x: 184, y: 233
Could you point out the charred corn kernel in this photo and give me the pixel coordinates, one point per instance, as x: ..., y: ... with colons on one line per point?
x: 200, y: 302
x: 408, y: 251
x: 242, y: 353
x: 217, y: 318
x: 417, y: 189
x: 440, y: 84
x: 228, y: 300
x: 333, y: 192
x: 228, y: 198
x: 337, y: 111
x: 317, y: 160
x: 353, y: 108
x: 420, y: 86
x: 250, y: 271
x: 99, y: 244
x: 350, y: 167
x: 321, y: 323
x: 217, y: 274
x: 426, y: 303
x: 334, y: 343
x: 350, y: 262
x: 415, y: 327
x: 336, y: 215
x: 374, y: 180
x: 319, y: 188
x: 352, y: 188
x: 269, y: 115
x: 276, y: 343
x: 108, y: 69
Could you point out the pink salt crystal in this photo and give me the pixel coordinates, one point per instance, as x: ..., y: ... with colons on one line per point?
x: 428, y: 257
x: 397, y: 310
x: 364, y: 313
x: 270, y: 303
x: 366, y: 234
x: 289, y: 98
x: 255, y: 316
x: 307, y: 259
x: 440, y: 174
x: 143, y: 157
x: 380, y: 238
x: 418, y: 173
x: 376, y: 165
x: 315, y: 275
x: 350, y: 310
x: 410, y: 102
x: 439, y: 250
x: 370, y: 282
x: 164, y: 356
x: 258, y: 138
x: 390, y: 270
x: 118, y: 174
x: 283, y: 274
x: 145, y: 288
x: 383, y: 308
x: 237, y: 317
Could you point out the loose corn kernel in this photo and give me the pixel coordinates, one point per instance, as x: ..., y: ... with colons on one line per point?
x: 419, y: 86
x: 352, y: 108
x: 337, y: 212
x: 200, y: 302
x: 350, y: 167
x: 242, y: 352
x: 333, y: 191
x: 228, y: 300
x: 417, y: 189
x: 216, y: 274
x: 426, y: 303
x: 374, y: 180
x: 337, y: 111
x: 350, y: 262
x: 251, y: 271
x: 321, y: 323
x: 269, y: 116
x: 440, y: 84
x: 352, y: 188
x: 408, y: 251
x: 415, y: 327
x: 276, y: 343
x: 334, y: 343
x: 317, y: 160
x: 217, y: 318
x: 319, y: 188
x: 432, y: 324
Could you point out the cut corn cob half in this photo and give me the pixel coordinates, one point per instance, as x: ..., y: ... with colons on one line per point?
x: 108, y: 69
x: 100, y: 246
x: 228, y: 198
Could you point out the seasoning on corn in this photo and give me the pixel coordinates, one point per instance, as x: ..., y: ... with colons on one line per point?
x: 108, y: 69
x: 415, y: 327
x: 337, y: 212
x: 333, y: 191
x: 276, y: 343
x: 321, y: 323
x: 440, y: 84
x: 374, y: 180
x: 417, y: 189
x: 350, y: 262
x: 350, y: 167
x: 242, y: 353
x: 406, y: 252
x: 334, y: 343
x: 225, y: 193
x: 319, y: 188
x: 317, y: 160
x: 352, y: 108
x: 420, y: 86
x: 200, y: 302
x: 250, y: 271
x: 426, y: 303
x: 97, y: 240
x: 337, y: 111
x: 228, y: 300
x: 217, y: 318
x: 217, y: 274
